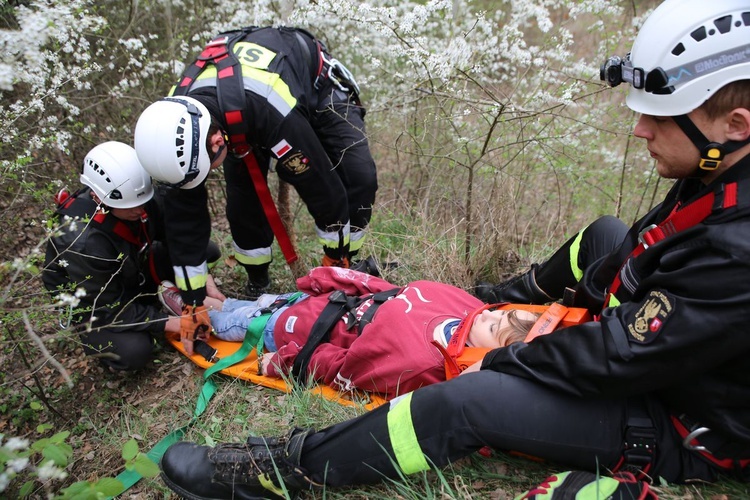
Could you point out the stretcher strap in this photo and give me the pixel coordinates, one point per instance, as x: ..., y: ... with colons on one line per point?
x: 128, y: 478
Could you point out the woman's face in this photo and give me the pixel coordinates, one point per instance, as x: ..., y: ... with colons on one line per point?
x: 491, y: 329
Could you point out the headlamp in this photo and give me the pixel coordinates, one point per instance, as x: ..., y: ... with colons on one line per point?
x: 617, y: 70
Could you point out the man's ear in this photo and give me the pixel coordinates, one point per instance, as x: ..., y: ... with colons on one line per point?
x: 215, y: 141
x: 738, y: 124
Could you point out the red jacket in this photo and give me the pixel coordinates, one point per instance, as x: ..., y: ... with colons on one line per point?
x: 393, y: 355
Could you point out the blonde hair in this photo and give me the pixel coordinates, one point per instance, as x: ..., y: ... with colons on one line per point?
x: 518, y: 328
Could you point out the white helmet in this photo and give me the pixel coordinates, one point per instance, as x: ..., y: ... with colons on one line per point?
x: 113, y: 172
x: 170, y: 139
x: 685, y: 52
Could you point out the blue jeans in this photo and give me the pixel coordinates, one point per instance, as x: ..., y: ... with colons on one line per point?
x: 232, y: 321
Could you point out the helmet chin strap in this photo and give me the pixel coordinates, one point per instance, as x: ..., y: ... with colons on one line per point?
x: 712, y: 153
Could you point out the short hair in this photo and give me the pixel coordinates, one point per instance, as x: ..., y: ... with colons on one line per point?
x: 518, y: 328
x: 731, y: 96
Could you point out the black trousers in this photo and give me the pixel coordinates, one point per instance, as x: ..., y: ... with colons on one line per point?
x: 339, y: 191
x: 594, y: 242
x: 455, y: 418
x: 452, y: 419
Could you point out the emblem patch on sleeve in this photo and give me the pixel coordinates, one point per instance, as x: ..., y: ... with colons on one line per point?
x: 296, y: 163
x: 650, y: 317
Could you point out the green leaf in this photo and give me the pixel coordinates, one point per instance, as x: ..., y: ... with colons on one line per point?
x: 130, y: 450
x: 35, y: 405
x: 56, y: 454
x: 76, y: 489
x: 109, y: 486
x: 42, y: 428
x: 145, y: 466
x: 26, y: 489
x: 60, y: 437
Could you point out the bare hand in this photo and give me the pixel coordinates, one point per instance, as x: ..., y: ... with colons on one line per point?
x: 212, y: 290
x: 265, y: 363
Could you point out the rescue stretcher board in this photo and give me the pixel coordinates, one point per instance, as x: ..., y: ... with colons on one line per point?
x: 552, y: 317
x: 247, y: 369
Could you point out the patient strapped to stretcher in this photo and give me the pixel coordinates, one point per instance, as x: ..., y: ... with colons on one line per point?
x: 360, y: 332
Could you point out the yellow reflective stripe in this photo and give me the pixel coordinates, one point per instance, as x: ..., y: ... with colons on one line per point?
x: 253, y: 257
x: 266, y: 482
x: 330, y: 239
x: 404, y: 441
x: 613, y: 302
x: 575, y: 248
x: 356, y: 240
x: 191, y: 277
x: 264, y: 83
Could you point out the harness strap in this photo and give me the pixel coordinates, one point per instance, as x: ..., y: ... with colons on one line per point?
x: 680, y: 219
x: 378, y: 299
x: 690, y: 441
x: 339, y: 305
x: 115, y: 226
x: 640, y: 441
x: 269, y: 209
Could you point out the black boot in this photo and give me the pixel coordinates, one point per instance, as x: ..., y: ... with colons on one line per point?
x: 241, y: 471
x: 522, y: 289
x: 258, y: 281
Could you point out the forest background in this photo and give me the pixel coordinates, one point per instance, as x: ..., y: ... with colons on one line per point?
x: 494, y: 140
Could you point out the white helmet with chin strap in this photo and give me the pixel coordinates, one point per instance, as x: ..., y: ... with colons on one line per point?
x: 685, y: 52
x: 113, y: 172
x: 170, y: 139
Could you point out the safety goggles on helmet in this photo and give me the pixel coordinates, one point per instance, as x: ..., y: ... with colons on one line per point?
x: 193, y: 169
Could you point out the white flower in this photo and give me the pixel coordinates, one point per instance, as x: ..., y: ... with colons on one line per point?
x: 4, y: 481
x: 48, y: 470
x: 16, y: 444
x: 17, y: 464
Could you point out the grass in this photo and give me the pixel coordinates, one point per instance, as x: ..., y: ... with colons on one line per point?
x: 104, y: 410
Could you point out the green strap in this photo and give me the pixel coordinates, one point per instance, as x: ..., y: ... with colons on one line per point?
x: 130, y: 477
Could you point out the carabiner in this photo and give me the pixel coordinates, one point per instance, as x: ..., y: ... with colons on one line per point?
x: 694, y: 435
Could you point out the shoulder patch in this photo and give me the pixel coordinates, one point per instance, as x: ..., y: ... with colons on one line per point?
x: 281, y: 148
x: 649, y: 318
x: 296, y: 163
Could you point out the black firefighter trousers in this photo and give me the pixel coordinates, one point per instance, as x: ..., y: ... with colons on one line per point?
x: 449, y: 420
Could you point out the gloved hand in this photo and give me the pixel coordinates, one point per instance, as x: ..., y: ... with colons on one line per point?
x: 194, y: 325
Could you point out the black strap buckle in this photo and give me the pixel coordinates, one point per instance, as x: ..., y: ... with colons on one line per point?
x: 640, y: 443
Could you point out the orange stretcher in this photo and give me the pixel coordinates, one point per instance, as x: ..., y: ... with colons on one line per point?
x: 247, y: 369
x: 552, y: 317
